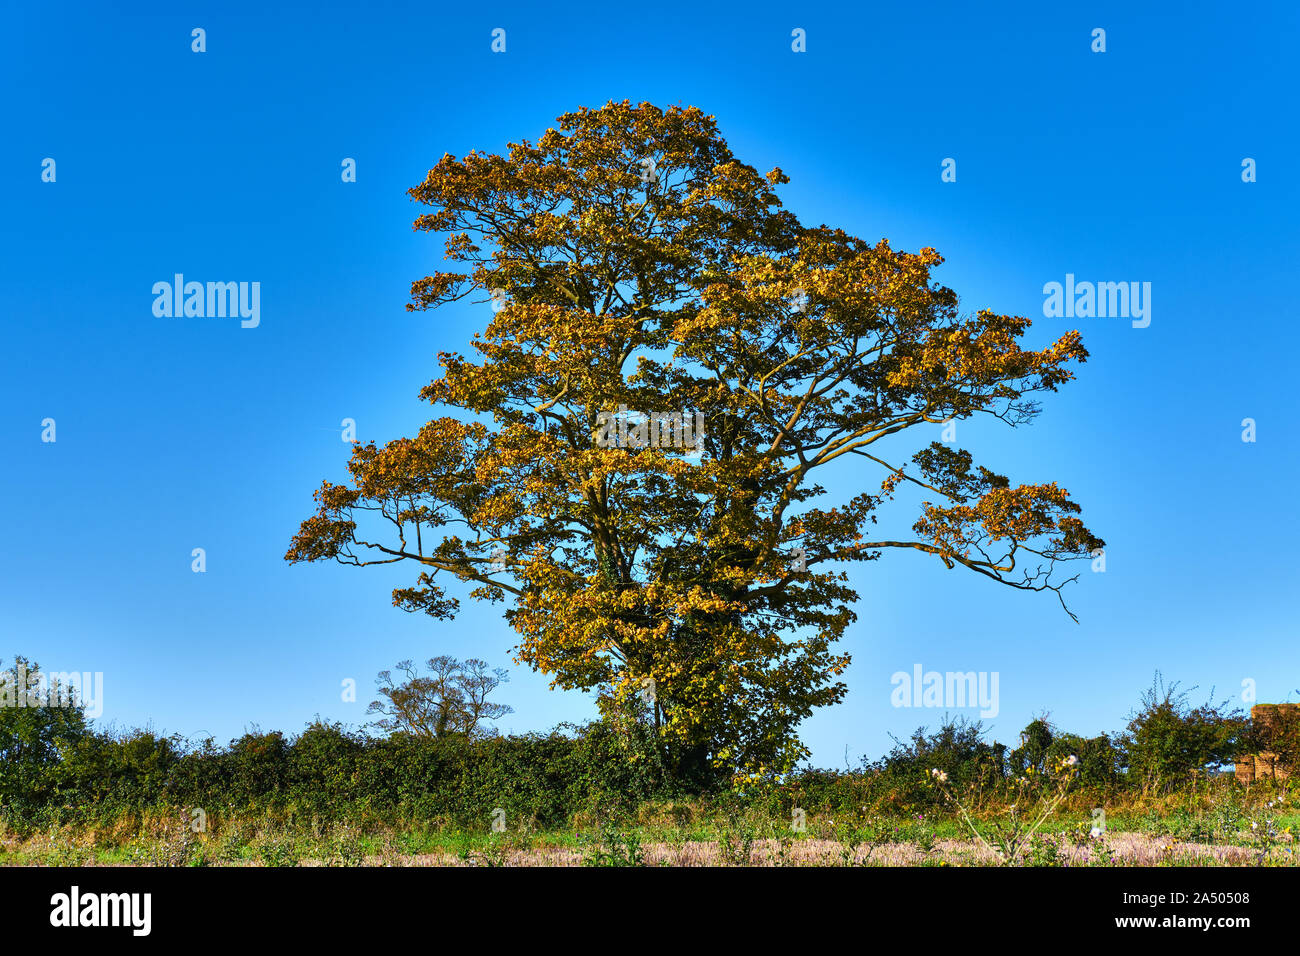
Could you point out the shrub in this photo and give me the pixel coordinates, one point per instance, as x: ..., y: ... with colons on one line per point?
x: 1043, y: 746
x: 957, y: 748
x: 1167, y: 739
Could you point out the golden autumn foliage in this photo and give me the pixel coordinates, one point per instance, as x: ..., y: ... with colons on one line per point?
x: 637, y: 264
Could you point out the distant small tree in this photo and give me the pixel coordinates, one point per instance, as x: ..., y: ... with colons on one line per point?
x: 1167, y: 739
x: 452, y: 699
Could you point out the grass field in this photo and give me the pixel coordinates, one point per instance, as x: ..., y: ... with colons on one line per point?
x: 1171, y: 831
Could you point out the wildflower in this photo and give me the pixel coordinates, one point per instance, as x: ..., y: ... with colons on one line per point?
x: 1072, y: 761
x: 939, y: 775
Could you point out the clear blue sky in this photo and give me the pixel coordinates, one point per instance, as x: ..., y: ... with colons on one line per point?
x: 181, y: 433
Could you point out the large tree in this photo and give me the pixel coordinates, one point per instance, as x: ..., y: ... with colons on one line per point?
x: 636, y: 267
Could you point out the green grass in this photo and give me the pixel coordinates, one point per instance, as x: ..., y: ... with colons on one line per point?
x: 1217, y: 816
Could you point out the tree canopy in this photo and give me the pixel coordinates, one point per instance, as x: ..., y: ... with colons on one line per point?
x: 639, y: 272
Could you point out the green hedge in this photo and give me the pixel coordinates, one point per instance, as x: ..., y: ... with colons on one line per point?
x: 330, y: 772
x: 54, y: 768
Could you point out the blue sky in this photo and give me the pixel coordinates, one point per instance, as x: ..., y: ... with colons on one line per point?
x: 181, y: 433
